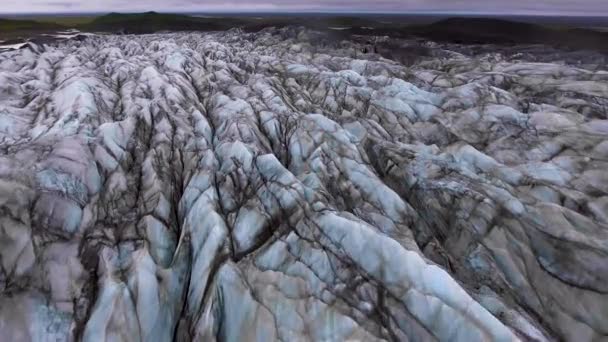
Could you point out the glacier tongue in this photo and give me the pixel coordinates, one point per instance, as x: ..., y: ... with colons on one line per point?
x: 277, y: 186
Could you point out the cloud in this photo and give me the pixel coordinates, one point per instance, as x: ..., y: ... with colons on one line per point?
x: 581, y: 7
x: 64, y: 4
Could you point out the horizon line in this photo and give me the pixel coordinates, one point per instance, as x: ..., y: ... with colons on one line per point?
x: 391, y: 13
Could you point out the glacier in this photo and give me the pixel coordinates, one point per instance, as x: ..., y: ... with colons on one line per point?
x: 281, y: 185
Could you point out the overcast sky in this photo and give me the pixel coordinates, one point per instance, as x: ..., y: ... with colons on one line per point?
x: 543, y: 7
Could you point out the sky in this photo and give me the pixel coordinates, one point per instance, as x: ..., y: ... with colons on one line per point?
x: 532, y: 7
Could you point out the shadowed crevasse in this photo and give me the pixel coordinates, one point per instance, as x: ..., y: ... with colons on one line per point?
x: 279, y: 185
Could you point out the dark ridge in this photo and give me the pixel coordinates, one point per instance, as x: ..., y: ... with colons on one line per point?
x: 497, y: 31
x: 11, y: 25
x: 150, y: 22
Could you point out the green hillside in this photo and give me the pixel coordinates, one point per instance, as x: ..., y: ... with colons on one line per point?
x: 11, y: 25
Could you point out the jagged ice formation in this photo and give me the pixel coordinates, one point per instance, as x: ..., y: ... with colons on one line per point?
x: 281, y: 185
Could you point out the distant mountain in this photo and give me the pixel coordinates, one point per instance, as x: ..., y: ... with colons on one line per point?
x: 11, y: 25
x: 153, y: 22
x: 497, y: 31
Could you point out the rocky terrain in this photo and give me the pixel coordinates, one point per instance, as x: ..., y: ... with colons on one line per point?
x: 284, y: 185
